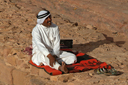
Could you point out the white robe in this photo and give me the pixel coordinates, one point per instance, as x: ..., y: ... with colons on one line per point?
x: 46, y: 40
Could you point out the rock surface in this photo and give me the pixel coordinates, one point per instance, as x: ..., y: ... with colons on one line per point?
x: 98, y: 28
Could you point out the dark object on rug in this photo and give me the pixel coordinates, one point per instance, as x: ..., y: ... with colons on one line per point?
x: 66, y: 43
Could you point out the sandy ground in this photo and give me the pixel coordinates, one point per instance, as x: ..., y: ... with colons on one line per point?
x: 110, y: 45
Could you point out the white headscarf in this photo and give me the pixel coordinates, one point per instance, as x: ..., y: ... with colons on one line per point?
x: 42, y: 15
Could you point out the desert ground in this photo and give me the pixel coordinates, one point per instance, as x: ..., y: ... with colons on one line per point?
x: 98, y: 28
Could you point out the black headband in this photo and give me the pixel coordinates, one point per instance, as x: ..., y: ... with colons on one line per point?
x: 43, y: 15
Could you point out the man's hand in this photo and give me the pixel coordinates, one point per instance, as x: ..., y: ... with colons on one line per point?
x: 52, y: 59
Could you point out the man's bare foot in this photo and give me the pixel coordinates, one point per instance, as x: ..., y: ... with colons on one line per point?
x: 63, y: 68
x: 41, y: 64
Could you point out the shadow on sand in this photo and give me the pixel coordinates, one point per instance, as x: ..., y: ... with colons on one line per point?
x: 88, y: 47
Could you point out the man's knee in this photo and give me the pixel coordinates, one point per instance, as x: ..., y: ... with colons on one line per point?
x: 71, y: 59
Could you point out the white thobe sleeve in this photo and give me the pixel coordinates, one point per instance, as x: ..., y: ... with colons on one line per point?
x: 39, y: 43
x: 56, y: 48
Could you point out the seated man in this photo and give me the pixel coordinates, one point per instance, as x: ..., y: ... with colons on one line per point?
x: 46, y: 44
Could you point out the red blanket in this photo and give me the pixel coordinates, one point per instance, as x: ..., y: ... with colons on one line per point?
x: 84, y: 63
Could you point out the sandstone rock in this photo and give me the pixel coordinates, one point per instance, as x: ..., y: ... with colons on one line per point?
x: 121, y: 58
x: 34, y: 81
x: 25, y: 66
x: 27, y: 57
x: 65, y: 78
x: 20, y: 78
x: 75, y: 24
x: 71, y: 83
x: 6, y: 51
x: 2, y: 83
x: 54, y: 78
x: 14, y: 51
x: 19, y: 62
x: 23, y: 55
x: 34, y: 70
x: 11, y: 60
x: 6, y: 73
x: 90, y: 74
x: 43, y: 74
x: 89, y: 26
x: 1, y: 37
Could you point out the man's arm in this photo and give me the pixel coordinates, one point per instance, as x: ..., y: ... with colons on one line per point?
x: 56, y: 48
x: 52, y: 59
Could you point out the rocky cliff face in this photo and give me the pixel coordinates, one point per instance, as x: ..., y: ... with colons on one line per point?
x: 98, y: 28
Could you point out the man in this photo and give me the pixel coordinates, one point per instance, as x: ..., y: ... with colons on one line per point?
x: 46, y: 44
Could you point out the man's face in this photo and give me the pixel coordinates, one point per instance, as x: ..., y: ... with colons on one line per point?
x: 48, y: 21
